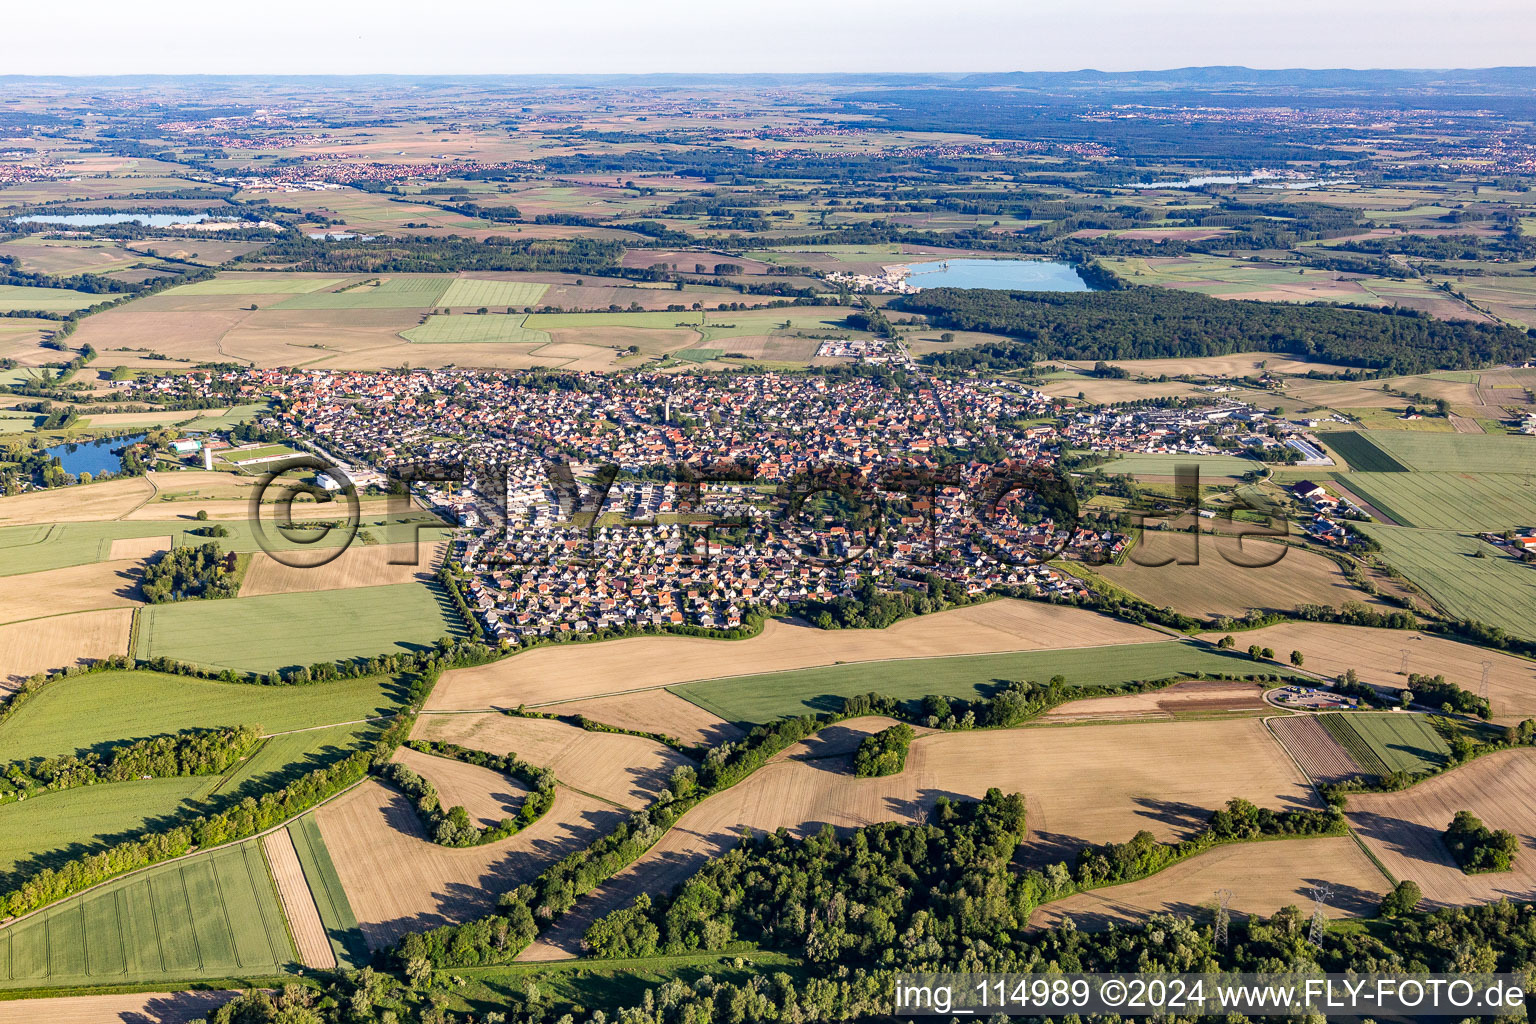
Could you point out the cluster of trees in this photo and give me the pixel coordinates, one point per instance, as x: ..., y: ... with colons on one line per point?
x: 1436, y: 691
x: 189, y: 574
x: 452, y: 827
x: 190, y: 752
x: 1477, y: 848
x: 869, y: 607
x: 1157, y: 323
x: 420, y: 255
x: 884, y: 753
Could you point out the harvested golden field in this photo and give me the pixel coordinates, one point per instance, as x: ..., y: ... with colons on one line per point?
x: 1104, y: 783
x: 59, y: 642
x: 1322, y: 757
x: 548, y: 675
x: 1403, y: 829
x: 110, y: 499
x: 488, y: 796
x: 1215, y: 587
x: 1196, y: 696
x: 77, y: 588
x: 1378, y: 656
x: 128, y: 1007
x: 626, y: 770
x: 138, y: 547
x: 121, y: 335
x: 309, y: 935
x: 361, y: 565
x: 240, y: 509
x: 1101, y: 390
x: 655, y: 711
x: 1080, y: 787
x: 1263, y: 878
x: 398, y: 881
x: 1238, y: 364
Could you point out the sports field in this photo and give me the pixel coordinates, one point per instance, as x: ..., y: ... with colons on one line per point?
x: 474, y: 293
x: 762, y: 698
x: 210, y: 916
x: 54, y: 300
x: 67, y: 716
x: 468, y: 329
x: 1361, y: 452
x: 1470, y: 502
x: 1389, y: 742
x: 399, y: 291
x: 260, y: 634
x: 1494, y: 589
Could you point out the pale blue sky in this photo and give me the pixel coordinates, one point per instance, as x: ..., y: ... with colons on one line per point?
x: 607, y: 36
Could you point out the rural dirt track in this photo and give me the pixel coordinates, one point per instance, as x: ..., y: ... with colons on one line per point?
x: 1377, y: 655
x: 77, y: 588
x: 61, y: 641
x: 1403, y: 829
x: 128, y: 1007
x: 298, y: 902
x: 361, y: 565
x: 488, y: 796
x: 656, y: 711
x: 1320, y: 755
x: 398, y: 881
x: 1263, y: 878
x: 627, y: 770
x: 1196, y: 695
x: 565, y: 673
x: 1080, y: 785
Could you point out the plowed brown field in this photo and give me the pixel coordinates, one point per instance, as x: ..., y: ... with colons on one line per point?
x: 1195, y: 696
x: 298, y: 902
x: 656, y: 711
x: 1321, y: 756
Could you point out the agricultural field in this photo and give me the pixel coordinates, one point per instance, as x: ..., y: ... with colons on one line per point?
x: 1469, y: 578
x: 304, y: 924
x: 215, y: 915
x: 254, y: 284
x: 48, y: 300
x: 488, y: 797
x: 347, y: 943
x: 83, y: 503
x: 360, y: 565
x: 1315, y: 748
x: 763, y: 698
x: 1181, y: 771
x: 1263, y: 877
x: 1470, y: 502
x: 548, y: 675
x: 1361, y: 452
x: 491, y: 328
x: 466, y: 292
x: 401, y: 291
x: 1212, y: 467
x: 1194, y: 697
x: 1214, y: 586
x: 655, y: 711
x: 65, y: 716
x: 1388, y: 742
x: 630, y: 771
x: 62, y: 641
x: 1454, y: 453
x: 396, y: 880
x: 80, y: 588
x: 65, y: 257
x: 275, y: 631
x: 1403, y: 829
x: 1385, y: 657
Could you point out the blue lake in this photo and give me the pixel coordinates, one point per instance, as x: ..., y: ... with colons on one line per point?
x: 1006, y: 275
x: 91, y: 220
x: 93, y: 457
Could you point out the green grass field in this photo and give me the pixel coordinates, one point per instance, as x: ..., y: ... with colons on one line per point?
x: 53, y: 300
x: 44, y: 830
x: 259, y: 634
x: 259, y: 284
x: 1455, y: 453
x: 398, y: 291
x: 1389, y: 742
x: 1361, y: 452
x: 466, y: 329
x: 330, y: 898
x: 1494, y: 589
x: 698, y: 355
x: 1211, y: 466
x: 82, y: 712
x: 763, y: 698
x: 472, y: 293
x: 211, y: 916
x: 278, y: 760
x: 1475, y: 502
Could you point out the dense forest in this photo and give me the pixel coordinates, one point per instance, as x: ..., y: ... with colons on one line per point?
x: 1154, y: 323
